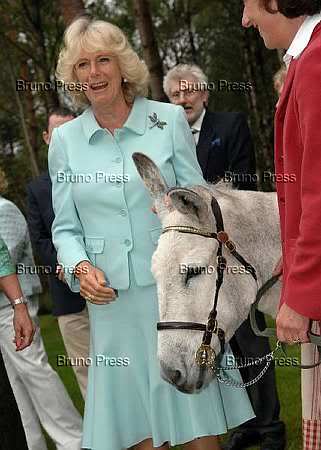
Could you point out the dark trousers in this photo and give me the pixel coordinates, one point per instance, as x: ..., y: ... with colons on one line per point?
x: 12, y: 435
x: 263, y: 394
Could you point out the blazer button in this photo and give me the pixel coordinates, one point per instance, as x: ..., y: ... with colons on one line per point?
x: 118, y: 160
x: 282, y: 199
x: 123, y: 212
x: 127, y: 242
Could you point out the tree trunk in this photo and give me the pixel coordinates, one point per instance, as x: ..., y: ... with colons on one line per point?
x: 152, y: 58
x: 13, y: 77
x: 30, y: 111
x: 261, y: 105
x: 190, y: 32
x: 70, y: 9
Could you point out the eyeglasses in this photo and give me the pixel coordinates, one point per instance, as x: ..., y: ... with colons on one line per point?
x: 188, y: 93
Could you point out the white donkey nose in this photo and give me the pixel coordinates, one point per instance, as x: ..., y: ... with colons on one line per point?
x: 174, y: 376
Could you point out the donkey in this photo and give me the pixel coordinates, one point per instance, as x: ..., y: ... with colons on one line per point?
x: 252, y: 222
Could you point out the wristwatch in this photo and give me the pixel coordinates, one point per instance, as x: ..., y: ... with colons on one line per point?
x: 19, y: 301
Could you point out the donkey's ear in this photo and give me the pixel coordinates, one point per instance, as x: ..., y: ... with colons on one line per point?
x: 153, y: 181
x: 189, y: 202
x: 150, y: 175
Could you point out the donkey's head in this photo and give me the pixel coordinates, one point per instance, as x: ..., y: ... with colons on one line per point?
x: 184, y: 266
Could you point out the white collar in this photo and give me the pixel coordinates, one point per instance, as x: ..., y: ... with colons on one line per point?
x: 302, y: 38
x: 197, y: 125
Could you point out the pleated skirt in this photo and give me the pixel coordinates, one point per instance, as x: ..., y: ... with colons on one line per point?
x: 127, y: 400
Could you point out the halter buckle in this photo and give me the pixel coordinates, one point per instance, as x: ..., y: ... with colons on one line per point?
x: 211, y: 325
x: 205, y: 357
x: 230, y: 245
x: 221, y: 262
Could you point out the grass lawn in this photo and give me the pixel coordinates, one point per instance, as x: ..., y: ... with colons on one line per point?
x: 288, y: 379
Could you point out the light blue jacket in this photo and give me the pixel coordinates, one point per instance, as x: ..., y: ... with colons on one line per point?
x: 102, y: 208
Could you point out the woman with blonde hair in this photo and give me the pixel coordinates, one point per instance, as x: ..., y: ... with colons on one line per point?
x: 105, y: 234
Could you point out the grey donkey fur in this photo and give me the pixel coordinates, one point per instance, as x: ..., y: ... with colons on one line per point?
x: 252, y: 222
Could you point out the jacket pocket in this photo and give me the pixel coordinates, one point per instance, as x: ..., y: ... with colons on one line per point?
x: 155, y: 234
x: 93, y: 247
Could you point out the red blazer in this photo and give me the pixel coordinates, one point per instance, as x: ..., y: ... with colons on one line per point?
x: 298, y: 156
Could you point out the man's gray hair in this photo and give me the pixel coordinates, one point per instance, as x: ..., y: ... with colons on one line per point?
x: 180, y: 72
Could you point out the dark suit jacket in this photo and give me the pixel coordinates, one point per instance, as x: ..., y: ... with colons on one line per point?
x: 40, y: 217
x: 225, y: 149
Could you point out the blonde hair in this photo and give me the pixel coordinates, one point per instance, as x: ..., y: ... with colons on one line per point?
x: 181, y: 71
x: 3, y: 182
x: 98, y: 35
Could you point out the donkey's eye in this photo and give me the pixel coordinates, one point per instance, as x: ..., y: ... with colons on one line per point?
x: 193, y: 271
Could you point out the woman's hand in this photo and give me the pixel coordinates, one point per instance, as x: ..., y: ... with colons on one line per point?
x: 292, y: 327
x: 23, y: 326
x: 93, y: 284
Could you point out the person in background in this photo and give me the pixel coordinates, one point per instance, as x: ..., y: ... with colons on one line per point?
x: 38, y: 390
x: 223, y: 142
x: 69, y: 307
x: 12, y: 435
x: 224, y: 145
x: 296, y: 27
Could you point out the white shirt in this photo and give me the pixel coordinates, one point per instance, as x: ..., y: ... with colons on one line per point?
x: 196, y: 127
x: 302, y: 38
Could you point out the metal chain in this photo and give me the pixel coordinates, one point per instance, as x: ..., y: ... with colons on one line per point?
x: 237, y: 384
x: 268, y: 358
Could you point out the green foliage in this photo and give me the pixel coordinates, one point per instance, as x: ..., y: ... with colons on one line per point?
x: 207, y: 33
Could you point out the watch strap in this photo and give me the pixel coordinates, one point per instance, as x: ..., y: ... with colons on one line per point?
x: 19, y: 301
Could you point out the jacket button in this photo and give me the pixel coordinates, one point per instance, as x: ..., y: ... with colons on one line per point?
x: 127, y: 242
x: 123, y: 212
x: 118, y: 160
x: 282, y: 199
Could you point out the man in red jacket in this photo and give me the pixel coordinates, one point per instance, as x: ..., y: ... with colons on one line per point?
x: 296, y: 27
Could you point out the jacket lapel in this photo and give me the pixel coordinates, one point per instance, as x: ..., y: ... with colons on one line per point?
x: 204, y: 142
x: 281, y: 108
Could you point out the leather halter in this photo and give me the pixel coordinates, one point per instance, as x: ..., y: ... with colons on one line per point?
x: 205, y: 356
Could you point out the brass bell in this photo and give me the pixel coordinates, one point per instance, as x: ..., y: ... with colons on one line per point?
x: 205, y: 357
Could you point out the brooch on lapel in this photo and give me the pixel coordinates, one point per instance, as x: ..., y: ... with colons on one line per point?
x: 216, y: 142
x: 156, y: 122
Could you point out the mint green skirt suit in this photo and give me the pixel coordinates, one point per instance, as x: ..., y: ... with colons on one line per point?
x: 6, y: 266
x: 103, y: 214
